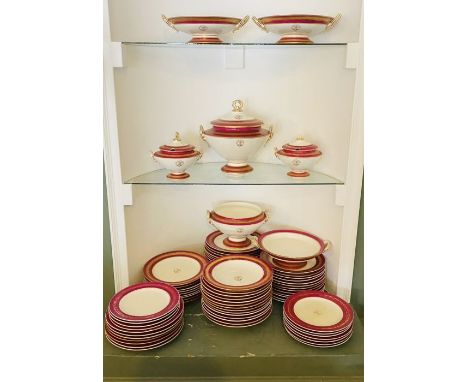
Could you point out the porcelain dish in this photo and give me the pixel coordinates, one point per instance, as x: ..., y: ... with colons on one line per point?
x: 215, y: 247
x: 205, y: 29
x: 300, y: 156
x: 236, y: 136
x: 237, y: 291
x: 237, y: 220
x: 144, y: 316
x: 296, y: 29
x: 292, y: 248
x: 181, y: 269
x: 287, y: 281
x: 318, y: 319
x: 177, y: 157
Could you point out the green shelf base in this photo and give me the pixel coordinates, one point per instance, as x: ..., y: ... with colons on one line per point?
x: 205, y: 351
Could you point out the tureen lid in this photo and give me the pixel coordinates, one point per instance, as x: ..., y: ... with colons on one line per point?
x: 300, y: 144
x: 237, y: 117
x: 177, y: 145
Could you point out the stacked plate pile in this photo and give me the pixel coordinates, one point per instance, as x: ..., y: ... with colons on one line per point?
x: 297, y: 261
x: 318, y: 319
x: 181, y: 269
x: 215, y: 247
x: 144, y: 316
x: 237, y: 291
x: 287, y: 281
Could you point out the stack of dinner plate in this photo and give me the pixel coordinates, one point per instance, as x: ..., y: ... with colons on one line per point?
x: 181, y: 269
x: 216, y: 248
x: 318, y: 319
x: 297, y: 261
x: 144, y: 316
x: 237, y: 291
x: 287, y: 281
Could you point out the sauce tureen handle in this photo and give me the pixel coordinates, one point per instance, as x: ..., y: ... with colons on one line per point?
x: 166, y: 20
x: 241, y: 24
x: 332, y: 23
x: 259, y: 24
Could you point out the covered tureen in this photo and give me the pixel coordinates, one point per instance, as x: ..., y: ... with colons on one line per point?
x: 177, y: 157
x: 300, y: 156
x: 236, y: 136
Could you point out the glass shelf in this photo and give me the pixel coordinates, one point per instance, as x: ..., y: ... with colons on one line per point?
x: 228, y: 44
x: 211, y: 174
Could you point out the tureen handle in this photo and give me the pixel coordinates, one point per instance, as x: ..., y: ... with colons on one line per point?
x: 327, y: 245
x: 254, y: 240
x: 200, y: 156
x: 202, y: 133
x: 208, y: 216
x: 259, y: 24
x: 152, y: 155
x: 332, y: 23
x: 166, y: 20
x: 241, y: 24
x: 276, y: 152
x: 270, y: 135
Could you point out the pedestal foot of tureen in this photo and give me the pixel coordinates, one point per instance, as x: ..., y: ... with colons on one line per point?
x: 289, y: 264
x: 298, y: 174
x: 183, y: 175
x: 236, y: 170
x: 205, y: 40
x: 237, y: 244
x: 295, y: 39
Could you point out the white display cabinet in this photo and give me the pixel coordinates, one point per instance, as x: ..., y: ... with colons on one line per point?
x: 155, y: 85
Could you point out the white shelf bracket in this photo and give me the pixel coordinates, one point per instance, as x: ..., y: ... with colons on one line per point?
x: 340, y: 195
x: 117, y: 54
x: 352, y: 55
x: 234, y: 57
x: 127, y: 195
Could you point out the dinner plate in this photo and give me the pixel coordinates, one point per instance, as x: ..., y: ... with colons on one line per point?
x: 143, y: 347
x: 144, y: 302
x: 318, y: 311
x: 237, y: 273
x: 175, y: 267
x: 239, y: 324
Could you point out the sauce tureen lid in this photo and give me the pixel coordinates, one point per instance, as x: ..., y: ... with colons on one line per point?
x: 177, y: 145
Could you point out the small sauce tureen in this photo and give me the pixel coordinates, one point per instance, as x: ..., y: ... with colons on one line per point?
x: 300, y: 155
x: 177, y: 157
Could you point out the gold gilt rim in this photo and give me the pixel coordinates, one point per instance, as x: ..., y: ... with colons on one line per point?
x: 296, y: 19
x: 204, y: 20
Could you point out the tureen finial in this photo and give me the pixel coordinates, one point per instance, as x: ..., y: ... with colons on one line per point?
x: 177, y: 137
x: 300, y: 138
x: 237, y: 105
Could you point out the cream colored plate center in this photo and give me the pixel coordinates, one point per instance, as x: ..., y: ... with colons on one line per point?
x: 145, y: 301
x: 318, y: 311
x: 291, y: 245
x: 239, y: 210
x: 176, y: 269
x: 237, y: 272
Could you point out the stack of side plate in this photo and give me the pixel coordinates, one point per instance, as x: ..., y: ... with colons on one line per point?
x: 215, y: 247
x: 144, y: 316
x: 287, y: 281
x: 318, y: 319
x: 181, y: 269
x: 237, y: 291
